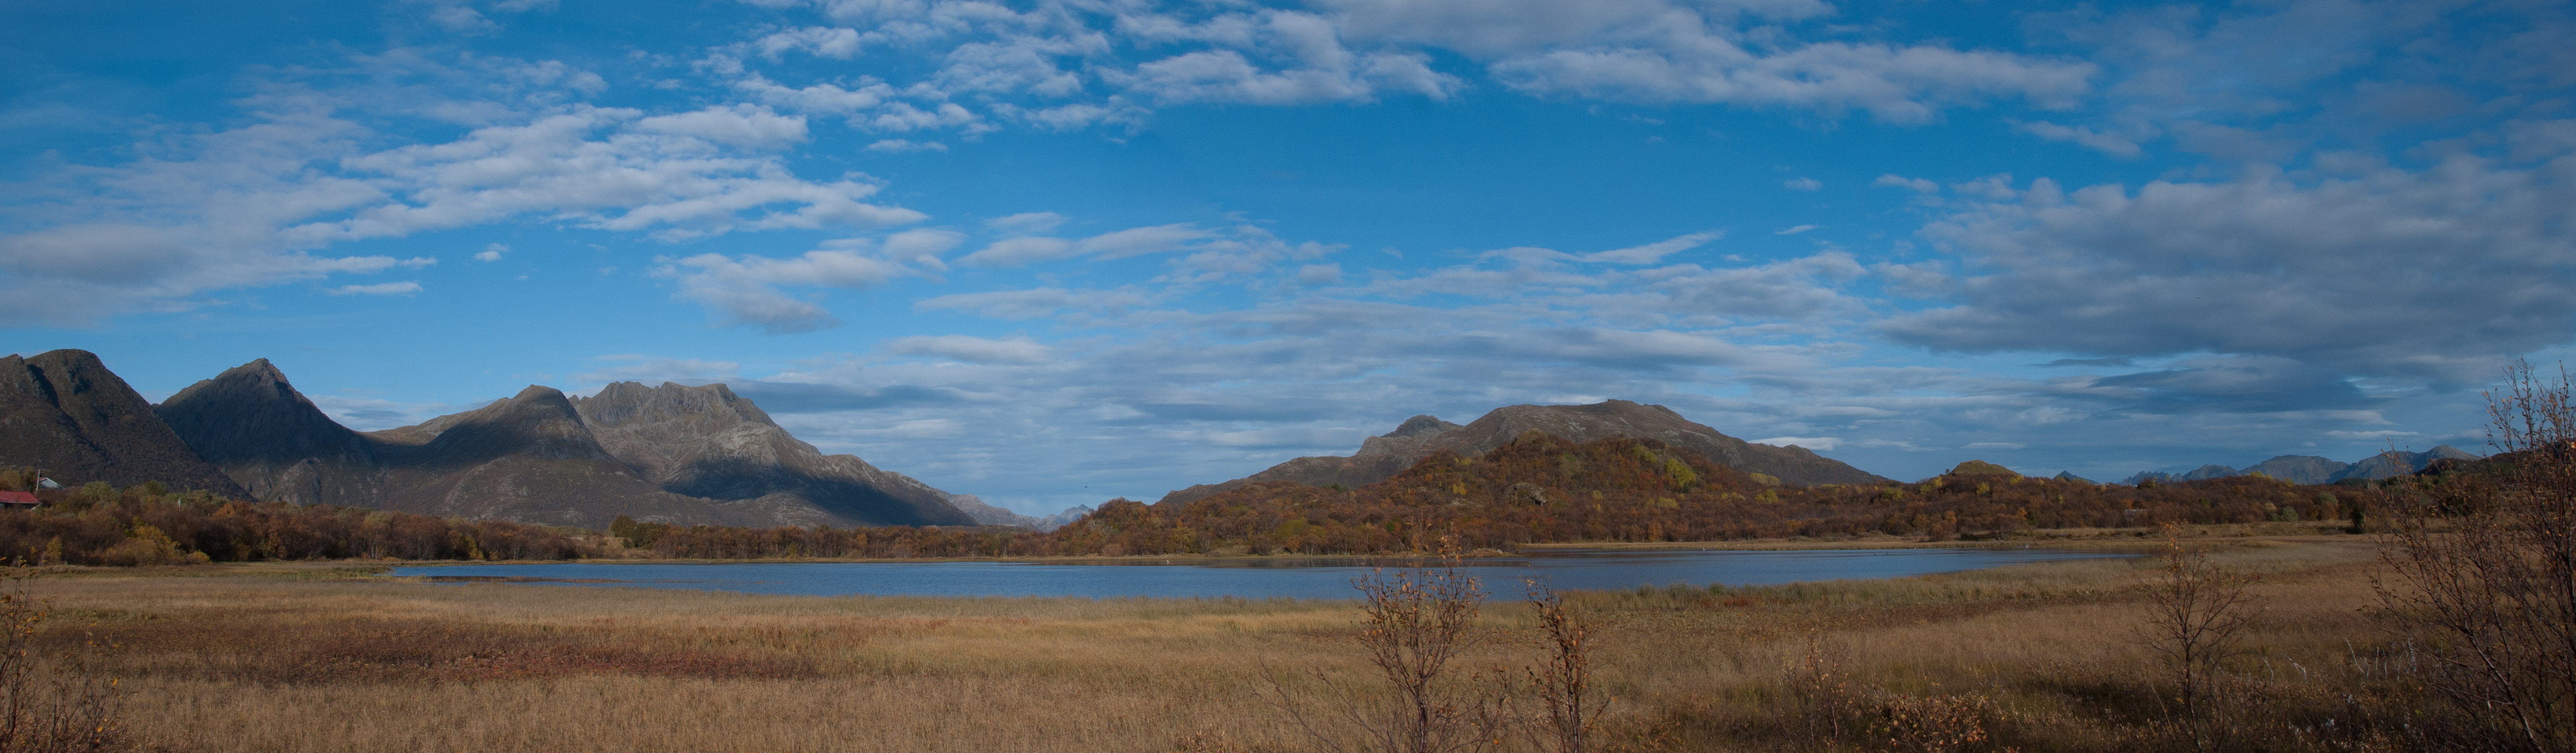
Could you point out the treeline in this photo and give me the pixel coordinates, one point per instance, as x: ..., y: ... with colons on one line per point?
x: 1541, y: 489
x: 1536, y: 489
x: 149, y: 524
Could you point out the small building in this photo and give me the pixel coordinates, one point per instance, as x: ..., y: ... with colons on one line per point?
x: 17, y: 500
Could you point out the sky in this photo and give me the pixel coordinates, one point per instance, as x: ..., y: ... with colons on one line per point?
x: 1052, y: 252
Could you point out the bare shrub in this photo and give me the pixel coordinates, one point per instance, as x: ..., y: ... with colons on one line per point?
x: 1571, y: 702
x: 1414, y: 623
x: 2483, y: 570
x: 1822, y: 704
x: 2195, y: 611
x: 1940, y: 723
x: 1831, y: 713
x: 49, y: 703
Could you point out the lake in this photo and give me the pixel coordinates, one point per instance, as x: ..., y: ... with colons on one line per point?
x: 1304, y: 578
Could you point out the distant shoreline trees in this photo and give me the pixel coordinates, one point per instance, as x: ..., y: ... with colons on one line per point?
x: 1535, y: 489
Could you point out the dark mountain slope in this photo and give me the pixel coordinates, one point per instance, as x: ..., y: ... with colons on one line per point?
x: 252, y: 424
x: 1384, y: 456
x: 62, y: 411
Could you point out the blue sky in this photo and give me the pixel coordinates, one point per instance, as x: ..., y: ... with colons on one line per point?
x: 1051, y: 252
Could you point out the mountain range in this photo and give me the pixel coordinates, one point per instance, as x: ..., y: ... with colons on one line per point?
x: 1383, y: 456
x: 673, y: 453
x: 2310, y: 469
x: 704, y: 455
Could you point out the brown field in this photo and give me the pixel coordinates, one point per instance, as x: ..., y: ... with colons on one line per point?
x: 2040, y: 657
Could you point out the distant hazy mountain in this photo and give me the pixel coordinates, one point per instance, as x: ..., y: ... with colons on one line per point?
x: 63, y: 412
x: 1069, y: 515
x: 2069, y: 476
x: 986, y: 514
x: 2310, y: 469
x: 2300, y: 469
x: 673, y: 454
x: 1381, y: 457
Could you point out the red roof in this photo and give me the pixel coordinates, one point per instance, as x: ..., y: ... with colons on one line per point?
x: 18, y: 498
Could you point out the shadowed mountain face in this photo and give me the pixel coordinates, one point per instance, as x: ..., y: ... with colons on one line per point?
x: 251, y: 423
x: 1382, y: 457
x: 63, y: 412
x: 671, y: 454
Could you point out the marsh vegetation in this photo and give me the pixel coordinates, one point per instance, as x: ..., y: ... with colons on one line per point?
x: 309, y: 657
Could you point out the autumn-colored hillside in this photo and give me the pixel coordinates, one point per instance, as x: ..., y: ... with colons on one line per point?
x: 1541, y: 489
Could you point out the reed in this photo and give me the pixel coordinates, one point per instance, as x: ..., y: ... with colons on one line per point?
x: 318, y: 657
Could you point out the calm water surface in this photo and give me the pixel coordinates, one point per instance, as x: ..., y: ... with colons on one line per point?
x: 1320, y: 578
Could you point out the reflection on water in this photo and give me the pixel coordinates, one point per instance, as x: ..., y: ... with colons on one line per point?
x: 1299, y: 577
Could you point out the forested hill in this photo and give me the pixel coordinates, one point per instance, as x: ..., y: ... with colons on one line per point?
x: 1541, y: 489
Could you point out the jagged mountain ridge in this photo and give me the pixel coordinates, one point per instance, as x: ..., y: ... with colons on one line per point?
x: 672, y: 454
x: 2311, y: 469
x: 64, y: 412
x: 1382, y: 457
x: 706, y: 441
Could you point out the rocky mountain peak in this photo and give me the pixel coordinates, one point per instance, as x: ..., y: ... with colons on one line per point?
x: 1422, y: 424
x: 539, y: 421
x: 250, y: 412
x: 621, y: 403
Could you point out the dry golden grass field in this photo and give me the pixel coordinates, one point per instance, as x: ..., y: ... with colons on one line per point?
x: 319, y: 657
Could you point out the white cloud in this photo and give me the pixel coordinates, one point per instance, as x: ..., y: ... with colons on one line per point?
x: 746, y: 290
x: 1896, y: 84
x: 2107, y: 143
x: 1656, y: 251
x: 386, y: 288
x: 749, y: 126
x: 1795, y: 229
x: 1323, y: 69
x: 1994, y: 446
x: 1014, y: 252
x: 973, y: 349
x: 670, y: 175
x: 1026, y: 222
x: 900, y: 145
x: 492, y: 252
x: 839, y: 43
x: 1917, y: 185
x: 1038, y: 303
x: 1802, y: 184
x: 1141, y: 240
x: 823, y: 98
x: 2387, y: 272
x: 1313, y: 275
